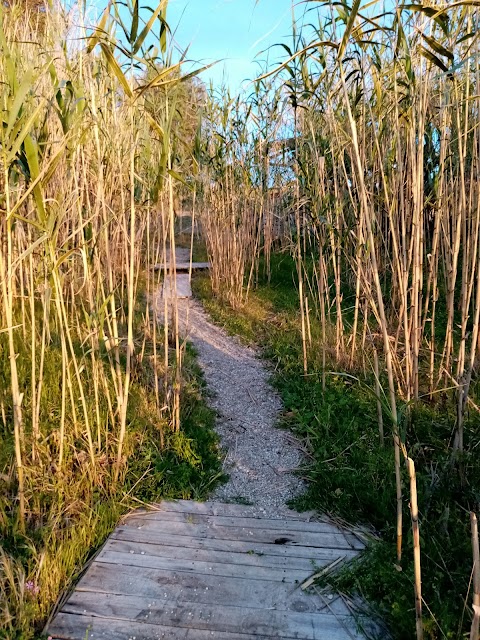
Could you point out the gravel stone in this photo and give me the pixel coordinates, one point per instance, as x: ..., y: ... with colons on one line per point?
x: 259, y: 458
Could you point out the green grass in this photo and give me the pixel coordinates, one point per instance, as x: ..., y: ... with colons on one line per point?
x: 188, y: 466
x: 349, y: 475
x: 70, y: 513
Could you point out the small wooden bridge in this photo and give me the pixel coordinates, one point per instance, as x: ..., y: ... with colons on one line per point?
x: 184, y: 266
x: 189, y: 570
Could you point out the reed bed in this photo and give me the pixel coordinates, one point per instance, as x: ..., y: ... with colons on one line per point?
x: 89, y: 168
x: 374, y: 118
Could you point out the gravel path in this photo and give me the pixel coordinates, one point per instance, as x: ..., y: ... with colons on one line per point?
x: 259, y: 457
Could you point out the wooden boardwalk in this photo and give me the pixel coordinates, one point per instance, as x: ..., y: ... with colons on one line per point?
x: 190, y: 570
x: 184, y: 266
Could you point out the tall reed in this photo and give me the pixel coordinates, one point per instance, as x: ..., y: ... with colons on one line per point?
x: 88, y: 182
x: 377, y: 111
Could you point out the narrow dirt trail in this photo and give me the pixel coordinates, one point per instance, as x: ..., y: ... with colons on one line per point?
x: 260, y: 458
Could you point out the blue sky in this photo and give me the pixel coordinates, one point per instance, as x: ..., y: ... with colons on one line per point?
x: 231, y: 30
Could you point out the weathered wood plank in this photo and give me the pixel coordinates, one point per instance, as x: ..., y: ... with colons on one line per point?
x: 181, y: 587
x: 183, y: 266
x: 251, y: 557
x: 221, y: 570
x: 223, y: 619
x: 192, y: 571
x: 317, y: 555
x: 68, y: 626
x: 211, y: 508
x: 235, y: 521
x: 75, y: 627
x: 338, y: 540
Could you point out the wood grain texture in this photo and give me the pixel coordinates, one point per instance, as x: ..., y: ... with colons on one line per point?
x: 184, y: 266
x: 219, y: 569
x: 73, y: 627
x: 211, y: 508
x: 204, y: 590
x: 231, y: 619
x: 320, y: 539
x: 237, y: 521
x: 189, y: 552
x: 204, y: 570
x: 139, y: 534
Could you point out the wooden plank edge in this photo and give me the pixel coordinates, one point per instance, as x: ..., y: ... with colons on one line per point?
x: 119, y: 631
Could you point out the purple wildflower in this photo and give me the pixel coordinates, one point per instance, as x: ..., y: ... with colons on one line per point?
x: 32, y: 588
